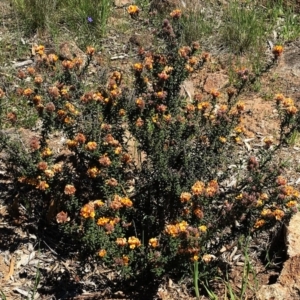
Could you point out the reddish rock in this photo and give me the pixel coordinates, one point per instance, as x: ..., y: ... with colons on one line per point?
x: 69, y: 51
x: 215, y: 81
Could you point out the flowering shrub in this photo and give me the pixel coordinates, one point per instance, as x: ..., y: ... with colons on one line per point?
x: 177, y: 204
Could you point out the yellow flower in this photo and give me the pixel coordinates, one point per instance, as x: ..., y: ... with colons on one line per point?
x: 176, y: 14
x: 69, y: 189
x: 182, y: 226
x: 198, y: 188
x: 133, y: 242
x: 279, y: 98
x: 153, y: 242
x: 122, y: 112
x: 266, y: 213
x: 207, y: 258
x: 263, y: 196
x: 203, y: 228
x: 291, y: 203
x: 239, y: 129
x: 167, y: 118
x: 277, y: 50
x: 121, y: 241
x: 102, y: 221
x: 91, y: 146
x: 189, y: 68
x: 27, y: 92
x: 222, y: 139
x: 125, y: 259
x: 46, y: 152
x: 37, y: 99
x: 93, y: 172
x: 42, y: 185
x: 39, y: 49
x: 118, y: 150
x: 278, y: 214
x: 102, y: 253
x: 268, y: 142
x: 126, y: 202
x: 215, y: 93
x: 88, y: 211
x: 38, y: 79
x: 52, y: 58
x: 72, y: 143
x: 240, y: 106
x: 185, y: 197
x: 138, y: 67
x: 292, y: 110
x: 133, y: 10
x: 212, y: 188
x: 49, y: 173
x: 259, y: 223
x: 195, y: 258
x: 171, y: 230
x: 238, y: 140
x: 90, y: 50
x: 98, y: 203
x: 68, y: 120
x: 239, y: 197
x: 155, y: 119
x: 203, y: 106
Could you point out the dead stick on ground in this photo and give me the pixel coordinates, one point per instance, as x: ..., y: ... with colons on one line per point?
x: 11, y: 269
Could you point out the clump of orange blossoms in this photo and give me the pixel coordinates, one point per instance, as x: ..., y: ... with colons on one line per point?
x: 176, y: 14
x: 198, y: 188
x: 176, y: 229
x: 91, y: 146
x: 121, y: 241
x: 133, y: 242
x: 133, y: 10
x: 153, y: 242
x: 69, y: 189
x: 88, y: 210
x: 90, y: 50
x: 259, y: 223
x: 185, y: 197
x: 102, y: 252
x: 277, y: 50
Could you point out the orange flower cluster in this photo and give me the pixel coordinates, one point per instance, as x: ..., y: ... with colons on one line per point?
x: 91, y: 146
x: 88, y: 210
x: 277, y: 50
x: 69, y: 189
x: 108, y: 223
x: 102, y: 253
x: 210, y: 190
x: 176, y: 14
x: 185, y: 197
x: 259, y: 223
x: 133, y: 10
x: 288, y: 191
x: 153, y: 242
x: 39, y: 49
x: 39, y: 184
x: 119, y: 202
x: 286, y: 104
x: 133, y: 242
x: 198, y: 188
x: 176, y: 229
